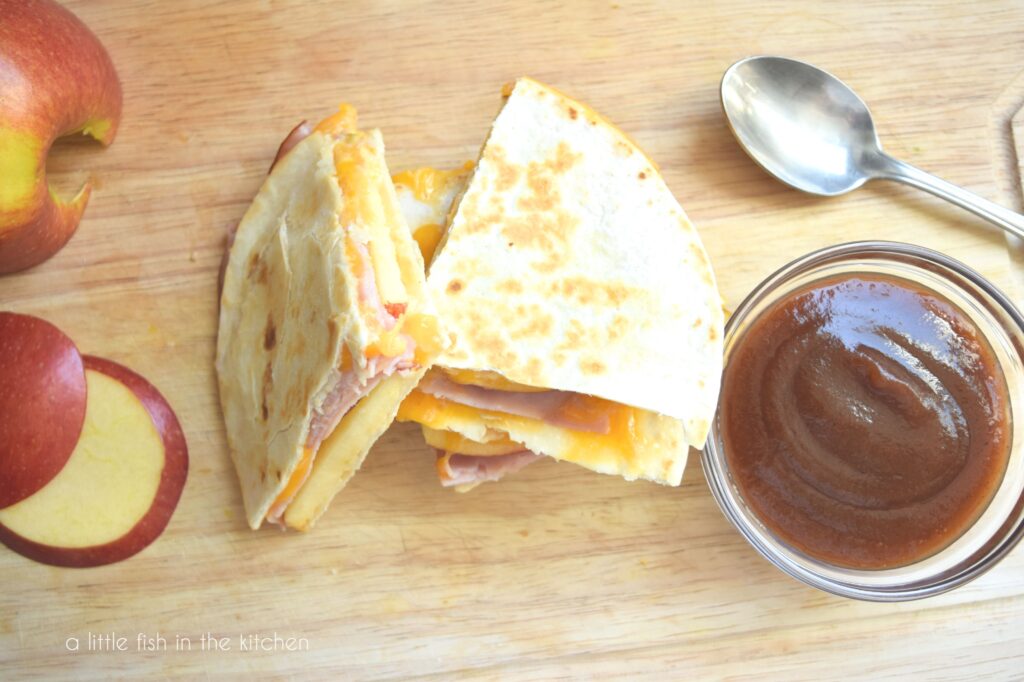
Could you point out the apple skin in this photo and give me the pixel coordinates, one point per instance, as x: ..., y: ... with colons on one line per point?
x: 56, y: 79
x: 172, y: 482
x: 42, y: 404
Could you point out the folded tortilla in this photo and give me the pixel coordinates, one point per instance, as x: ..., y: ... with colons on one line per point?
x: 324, y: 325
x: 568, y: 265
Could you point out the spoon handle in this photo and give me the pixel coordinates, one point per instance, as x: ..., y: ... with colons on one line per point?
x: 893, y: 169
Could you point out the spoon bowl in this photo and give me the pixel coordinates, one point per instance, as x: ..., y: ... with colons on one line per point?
x: 811, y: 131
x: 800, y: 124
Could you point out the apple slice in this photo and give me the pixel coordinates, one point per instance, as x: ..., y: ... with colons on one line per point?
x: 42, y: 404
x: 120, y: 486
x: 56, y: 79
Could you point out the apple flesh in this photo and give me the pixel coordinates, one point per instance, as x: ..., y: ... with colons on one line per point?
x: 42, y: 404
x: 120, y: 486
x: 56, y: 79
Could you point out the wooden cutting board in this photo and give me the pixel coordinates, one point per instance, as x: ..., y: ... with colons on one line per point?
x: 556, y: 572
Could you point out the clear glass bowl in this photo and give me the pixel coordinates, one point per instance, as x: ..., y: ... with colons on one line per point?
x: 999, y: 527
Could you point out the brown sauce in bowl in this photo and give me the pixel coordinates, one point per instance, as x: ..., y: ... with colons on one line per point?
x: 865, y: 420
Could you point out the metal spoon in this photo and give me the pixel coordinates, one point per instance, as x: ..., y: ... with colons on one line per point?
x: 810, y: 130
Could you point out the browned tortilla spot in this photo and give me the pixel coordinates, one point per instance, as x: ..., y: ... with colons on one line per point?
x: 258, y: 270
x: 476, y: 318
x: 496, y: 350
x: 482, y: 222
x: 454, y: 286
x: 573, y: 337
x: 270, y: 334
x: 533, y: 369
x: 563, y: 160
x: 298, y: 344
x: 268, y: 380
x: 538, y: 325
x: 543, y: 197
x: 510, y: 286
x: 595, y: 292
x: 332, y: 329
x: 698, y: 253
x: 508, y: 174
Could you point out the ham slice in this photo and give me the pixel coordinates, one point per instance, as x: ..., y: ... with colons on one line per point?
x: 369, y: 294
x: 353, y: 384
x: 297, y: 135
x: 349, y: 389
x: 458, y: 470
x: 552, y: 407
x: 339, y: 400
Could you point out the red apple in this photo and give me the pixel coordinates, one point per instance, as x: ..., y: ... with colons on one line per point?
x: 119, y: 488
x: 55, y: 79
x: 42, y: 404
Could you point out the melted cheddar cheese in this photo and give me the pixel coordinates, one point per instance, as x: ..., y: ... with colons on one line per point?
x: 425, y: 183
x: 424, y: 330
x: 298, y: 477
x: 455, y: 442
x: 427, y: 237
x: 486, y: 379
x: 344, y: 121
x: 363, y: 187
x: 432, y: 192
x: 604, y: 452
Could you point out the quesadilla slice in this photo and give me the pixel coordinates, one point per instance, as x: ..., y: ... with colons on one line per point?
x: 583, y: 314
x: 324, y: 324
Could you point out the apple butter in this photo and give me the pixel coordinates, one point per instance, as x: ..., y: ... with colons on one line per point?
x: 865, y: 420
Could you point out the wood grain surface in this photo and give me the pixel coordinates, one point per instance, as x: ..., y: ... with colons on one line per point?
x: 556, y: 572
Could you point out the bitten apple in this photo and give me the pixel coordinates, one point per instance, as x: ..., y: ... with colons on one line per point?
x: 120, y: 486
x: 56, y: 79
x: 42, y: 404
